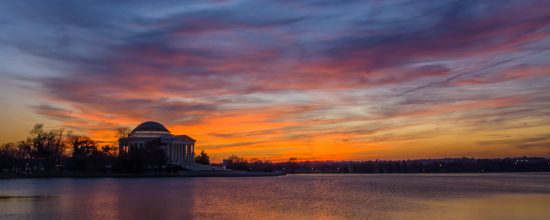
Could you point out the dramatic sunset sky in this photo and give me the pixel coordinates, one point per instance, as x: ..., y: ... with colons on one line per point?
x: 312, y: 79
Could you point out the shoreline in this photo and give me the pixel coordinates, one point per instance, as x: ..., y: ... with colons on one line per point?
x: 214, y: 174
x: 140, y: 175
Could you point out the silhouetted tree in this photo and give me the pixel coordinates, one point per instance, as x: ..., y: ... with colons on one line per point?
x: 8, y: 157
x: 85, y: 154
x: 202, y: 158
x: 47, y: 148
x: 236, y: 163
x: 109, y: 150
x: 122, y: 132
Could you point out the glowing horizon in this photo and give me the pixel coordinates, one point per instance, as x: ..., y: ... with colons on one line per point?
x: 314, y: 80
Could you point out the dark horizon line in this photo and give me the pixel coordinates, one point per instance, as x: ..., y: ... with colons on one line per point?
x: 420, y: 159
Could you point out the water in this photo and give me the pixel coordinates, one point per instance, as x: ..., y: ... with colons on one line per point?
x: 407, y: 196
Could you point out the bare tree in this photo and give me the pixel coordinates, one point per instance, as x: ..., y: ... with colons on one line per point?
x: 122, y: 132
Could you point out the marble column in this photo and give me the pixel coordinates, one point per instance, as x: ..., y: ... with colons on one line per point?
x: 191, y: 153
x: 188, y: 153
x: 185, y: 153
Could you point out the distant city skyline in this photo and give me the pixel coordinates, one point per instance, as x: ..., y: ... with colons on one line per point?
x: 314, y: 80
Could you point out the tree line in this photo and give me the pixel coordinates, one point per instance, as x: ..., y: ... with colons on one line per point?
x: 59, y: 150
x: 56, y: 150
x: 445, y: 165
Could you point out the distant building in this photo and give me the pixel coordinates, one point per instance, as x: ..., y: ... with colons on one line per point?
x: 179, y: 149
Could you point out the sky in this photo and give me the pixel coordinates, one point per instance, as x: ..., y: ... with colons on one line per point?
x: 314, y: 80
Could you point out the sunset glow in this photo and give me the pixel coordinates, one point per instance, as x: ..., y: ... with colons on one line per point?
x: 314, y: 80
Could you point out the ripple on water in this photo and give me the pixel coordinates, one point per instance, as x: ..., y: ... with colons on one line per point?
x: 407, y: 196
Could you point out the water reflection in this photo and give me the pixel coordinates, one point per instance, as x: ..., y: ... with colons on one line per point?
x: 503, y: 207
x: 498, y: 196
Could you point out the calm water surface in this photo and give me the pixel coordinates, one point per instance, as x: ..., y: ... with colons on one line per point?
x: 407, y: 196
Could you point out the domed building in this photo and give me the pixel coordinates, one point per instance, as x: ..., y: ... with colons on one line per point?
x: 179, y: 149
